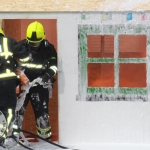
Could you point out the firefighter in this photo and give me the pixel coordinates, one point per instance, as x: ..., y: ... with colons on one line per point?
x: 40, y: 63
x: 8, y: 80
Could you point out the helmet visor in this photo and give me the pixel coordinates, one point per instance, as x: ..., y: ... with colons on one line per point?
x: 35, y: 44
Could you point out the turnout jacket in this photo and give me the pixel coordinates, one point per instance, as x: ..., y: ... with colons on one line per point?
x: 37, y: 62
x: 7, y: 58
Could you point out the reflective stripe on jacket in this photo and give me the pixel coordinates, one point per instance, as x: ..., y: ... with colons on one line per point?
x: 6, y: 57
x: 40, y: 61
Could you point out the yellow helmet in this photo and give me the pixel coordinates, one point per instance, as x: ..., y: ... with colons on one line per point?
x: 35, y: 32
x: 2, y: 32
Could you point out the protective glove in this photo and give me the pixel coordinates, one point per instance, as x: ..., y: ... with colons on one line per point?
x: 45, y: 78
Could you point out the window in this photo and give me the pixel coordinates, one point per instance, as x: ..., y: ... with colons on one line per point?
x: 100, y: 75
x: 113, y: 62
x: 100, y: 46
x: 132, y: 75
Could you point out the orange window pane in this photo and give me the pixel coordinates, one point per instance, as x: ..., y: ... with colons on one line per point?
x: 100, y: 46
x: 132, y: 75
x: 101, y: 75
x: 132, y: 46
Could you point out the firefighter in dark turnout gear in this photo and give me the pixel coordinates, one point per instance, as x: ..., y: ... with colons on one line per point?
x: 8, y: 78
x: 41, y: 61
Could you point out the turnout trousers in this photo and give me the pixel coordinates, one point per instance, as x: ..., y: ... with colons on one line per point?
x: 8, y: 101
x: 39, y: 98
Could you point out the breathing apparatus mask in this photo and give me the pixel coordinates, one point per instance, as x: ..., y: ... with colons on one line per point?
x: 34, y: 46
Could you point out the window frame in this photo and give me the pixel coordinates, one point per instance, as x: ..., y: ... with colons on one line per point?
x: 116, y: 93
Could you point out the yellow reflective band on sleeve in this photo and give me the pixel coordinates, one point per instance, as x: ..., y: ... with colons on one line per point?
x: 5, y: 52
x: 25, y: 59
x: 5, y: 47
x: 54, y: 68
x: 6, y: 75
x: 28, y: 65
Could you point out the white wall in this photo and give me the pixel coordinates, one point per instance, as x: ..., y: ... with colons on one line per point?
x: 95, y: 122
x: 82, y: 122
